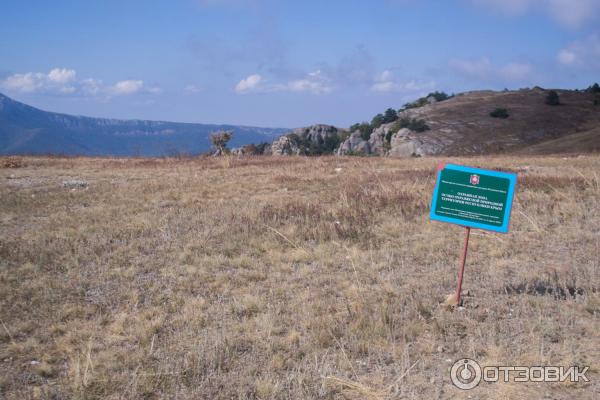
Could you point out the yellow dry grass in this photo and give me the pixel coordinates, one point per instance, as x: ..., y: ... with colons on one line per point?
x: 287, y: 278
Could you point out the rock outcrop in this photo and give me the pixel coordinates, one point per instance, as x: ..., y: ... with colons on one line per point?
x: 284, y: 146
x: 355, y: 144
x: 292, y: 142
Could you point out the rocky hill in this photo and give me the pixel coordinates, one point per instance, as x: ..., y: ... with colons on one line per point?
x: 472, y: 123
x: 28, y: 130
x: 487, y: 122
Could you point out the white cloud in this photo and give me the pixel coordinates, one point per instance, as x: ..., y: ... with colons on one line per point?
x: 24, y: 83
x: 91, y: 87
x: 570, y: 13
x: 61, y: 75
x: 567, y: 57
x: 249, y: 84
x: 583, y: 53
x: 127, y: 87
x: 484, y: 70
x: 314, y: 82
x: 55, y: 80
x: 63, y: 81
x: 386, y: 82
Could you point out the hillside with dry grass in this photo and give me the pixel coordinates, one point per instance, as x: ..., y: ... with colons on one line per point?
x: 462, y: 125
x: 288, y: 278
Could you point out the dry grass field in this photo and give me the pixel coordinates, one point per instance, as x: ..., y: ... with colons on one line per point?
x: 288, y: 278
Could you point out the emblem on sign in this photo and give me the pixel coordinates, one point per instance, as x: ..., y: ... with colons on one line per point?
x: 474, y: 179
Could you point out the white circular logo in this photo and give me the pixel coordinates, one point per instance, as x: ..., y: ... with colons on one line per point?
x: 465, y: 374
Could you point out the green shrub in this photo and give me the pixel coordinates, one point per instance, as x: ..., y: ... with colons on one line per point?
x: 595, y: 88
x: 377, y: 121
x: 552, y: 98
x: 324, y: 146
x: 422, y: 101
x: 499, y: 113
x: 390, y: 115
x: 416, y: 125
x: 439, y: 96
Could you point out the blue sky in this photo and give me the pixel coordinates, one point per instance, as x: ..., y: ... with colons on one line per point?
x: 285, y: 63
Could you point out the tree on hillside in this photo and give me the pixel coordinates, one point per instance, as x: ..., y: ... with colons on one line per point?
x: 552, y: 98
x: 440, y: 96
x: 423, y: 101
x: 389, y: 116
x: 219, y: 140
x: 377, y: 121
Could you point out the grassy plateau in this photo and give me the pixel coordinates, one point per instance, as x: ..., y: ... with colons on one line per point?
x: 288, y: 278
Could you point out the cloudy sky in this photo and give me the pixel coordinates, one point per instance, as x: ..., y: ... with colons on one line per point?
x: 285, y: 63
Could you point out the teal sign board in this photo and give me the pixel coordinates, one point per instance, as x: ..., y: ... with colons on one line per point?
x: 473, y: 197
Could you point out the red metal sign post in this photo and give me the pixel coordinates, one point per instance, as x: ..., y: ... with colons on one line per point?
x: 463, y: 259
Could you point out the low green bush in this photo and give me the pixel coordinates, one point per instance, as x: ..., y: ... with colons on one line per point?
x: 500, y: 113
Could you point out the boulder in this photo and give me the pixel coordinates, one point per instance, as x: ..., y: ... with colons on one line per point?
x: 284, y: 146
x: 377, y: 140
x: 354, y: 144
x: 404, y: 144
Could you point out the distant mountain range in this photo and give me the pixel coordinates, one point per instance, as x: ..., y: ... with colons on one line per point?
x: 28, y: 130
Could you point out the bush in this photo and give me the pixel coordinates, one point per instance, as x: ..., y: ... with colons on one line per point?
x: 390, y: 115
x: 499, y: 113
x: 439, y: 96
x: 595, y: 88
x: 219, y: 140
x: 416, y: 125
x: 261, y: 147
x: 249, y: 149
x: 552, y: 98
x: 330, y: 144
x: 420, y: 102
x: 308, y: 148
x: 377, y: 121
